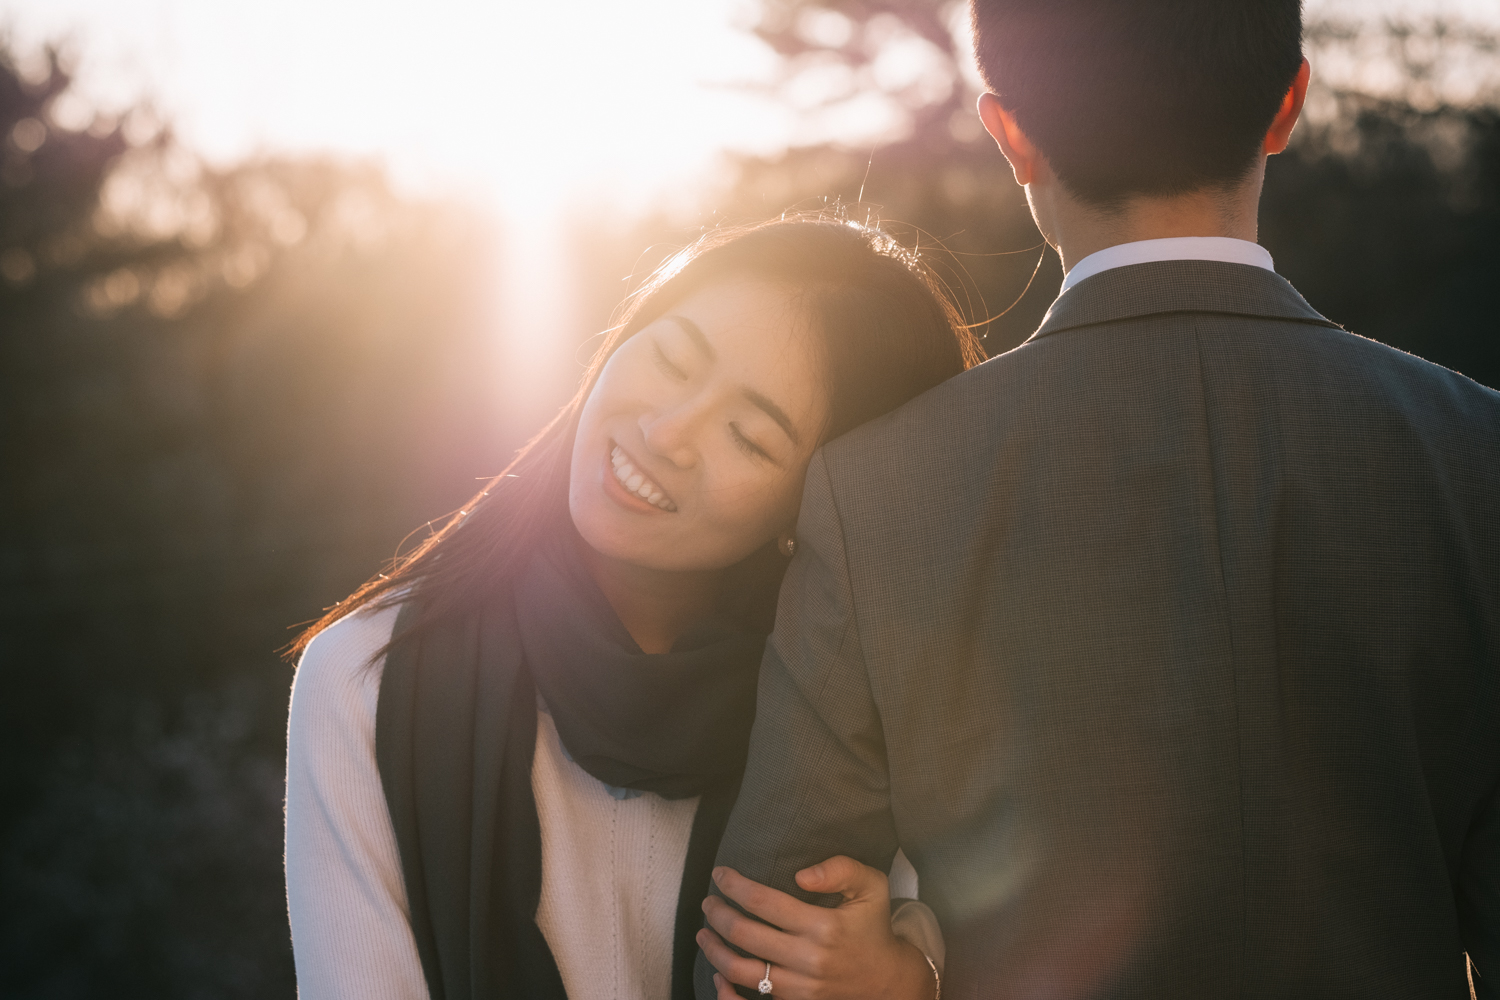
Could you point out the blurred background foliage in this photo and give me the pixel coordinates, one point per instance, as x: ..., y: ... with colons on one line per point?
x: 229, y: 392
x: 1385, y: 212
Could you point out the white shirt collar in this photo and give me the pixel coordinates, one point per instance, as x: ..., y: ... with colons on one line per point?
x: 1224, y: 248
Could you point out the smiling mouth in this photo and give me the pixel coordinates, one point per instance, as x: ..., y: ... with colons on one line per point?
x: 636, y: 482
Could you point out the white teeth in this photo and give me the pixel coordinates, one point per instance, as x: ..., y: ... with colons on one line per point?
x: 637, y: 483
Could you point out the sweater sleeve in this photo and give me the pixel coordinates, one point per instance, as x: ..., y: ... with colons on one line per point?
x: 913, y: 921
x: 351, y: 931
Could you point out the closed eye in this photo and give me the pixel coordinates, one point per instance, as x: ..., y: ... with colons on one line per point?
x: 664, y: 364
x: 749, y: 447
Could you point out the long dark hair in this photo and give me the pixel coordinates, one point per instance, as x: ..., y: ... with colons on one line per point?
x: 890, y: 332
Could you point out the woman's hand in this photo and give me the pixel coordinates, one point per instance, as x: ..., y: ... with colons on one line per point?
x: 818, y: 953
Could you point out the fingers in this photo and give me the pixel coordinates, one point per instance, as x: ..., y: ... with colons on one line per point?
x: 736, y: 968
x: 770, y: 905
x: 747, y: 933
x: 847, y: 877
x: 739, y: 971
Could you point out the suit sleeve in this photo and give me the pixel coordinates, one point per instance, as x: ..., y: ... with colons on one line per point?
x: 816, y: 783
x: 1479, y: 899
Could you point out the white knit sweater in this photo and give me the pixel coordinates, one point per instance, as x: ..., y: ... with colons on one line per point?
x: 611, y: 867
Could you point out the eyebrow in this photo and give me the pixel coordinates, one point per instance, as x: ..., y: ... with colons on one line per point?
x: 766, y: 404
x: 773, y: 411
x: 696, y: 335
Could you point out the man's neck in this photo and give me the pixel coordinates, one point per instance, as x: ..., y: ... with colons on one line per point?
x: 1077, y: 229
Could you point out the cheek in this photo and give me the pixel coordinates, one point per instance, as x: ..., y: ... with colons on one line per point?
x: 595, y: 404
x: 623, y: 382
x: 585, y: 444
x: 759, y: 508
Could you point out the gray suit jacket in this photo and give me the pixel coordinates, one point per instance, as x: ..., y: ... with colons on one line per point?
x: 1167, y: 646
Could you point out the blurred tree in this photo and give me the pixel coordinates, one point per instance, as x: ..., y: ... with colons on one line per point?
x: 1388, y: 219
x: 886, y: 90
x: 227, y: 393
x: 1385, y: 212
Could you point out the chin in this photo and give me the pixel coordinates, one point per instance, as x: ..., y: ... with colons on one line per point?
x: 609, y: 531
x: 614, y: 536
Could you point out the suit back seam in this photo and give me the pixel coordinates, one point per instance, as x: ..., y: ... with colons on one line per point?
x: 1239, y: 748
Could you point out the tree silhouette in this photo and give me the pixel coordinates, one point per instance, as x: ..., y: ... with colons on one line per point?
x: 1385, y: 212
x: 228, y: 393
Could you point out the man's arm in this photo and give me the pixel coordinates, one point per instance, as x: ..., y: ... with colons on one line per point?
x: 816, y: 784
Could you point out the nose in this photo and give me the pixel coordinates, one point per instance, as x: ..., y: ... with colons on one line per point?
x: 672, y: 433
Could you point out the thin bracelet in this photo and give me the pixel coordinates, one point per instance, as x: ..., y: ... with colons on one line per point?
x: 936, y: 977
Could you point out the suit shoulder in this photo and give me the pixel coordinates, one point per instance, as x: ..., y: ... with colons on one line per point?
x: 1420, y: 368
x: 967, y: 400
x: 1387, y: 378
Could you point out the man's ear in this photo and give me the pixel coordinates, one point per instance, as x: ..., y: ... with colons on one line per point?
x: 1023, y: 156
x: 1280, y: 132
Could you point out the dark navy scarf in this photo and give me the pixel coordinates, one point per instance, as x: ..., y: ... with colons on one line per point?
x: 455, y: 735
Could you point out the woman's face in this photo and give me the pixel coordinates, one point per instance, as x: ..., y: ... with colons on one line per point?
x: 693, y: 444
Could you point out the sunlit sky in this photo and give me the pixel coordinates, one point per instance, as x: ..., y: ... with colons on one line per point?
x: 525, y: 102
x: 522, y: 106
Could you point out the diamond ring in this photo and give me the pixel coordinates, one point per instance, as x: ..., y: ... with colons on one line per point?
x: 765, y: 984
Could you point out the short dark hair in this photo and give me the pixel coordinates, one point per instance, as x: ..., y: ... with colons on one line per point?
x: 1129, y: 97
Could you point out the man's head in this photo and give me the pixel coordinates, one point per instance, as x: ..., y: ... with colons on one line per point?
x: 1151, y: 98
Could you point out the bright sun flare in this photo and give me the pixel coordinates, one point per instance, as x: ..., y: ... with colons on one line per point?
x: 521, y: 104
x: 527, y: 102
x: 518, y: 105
